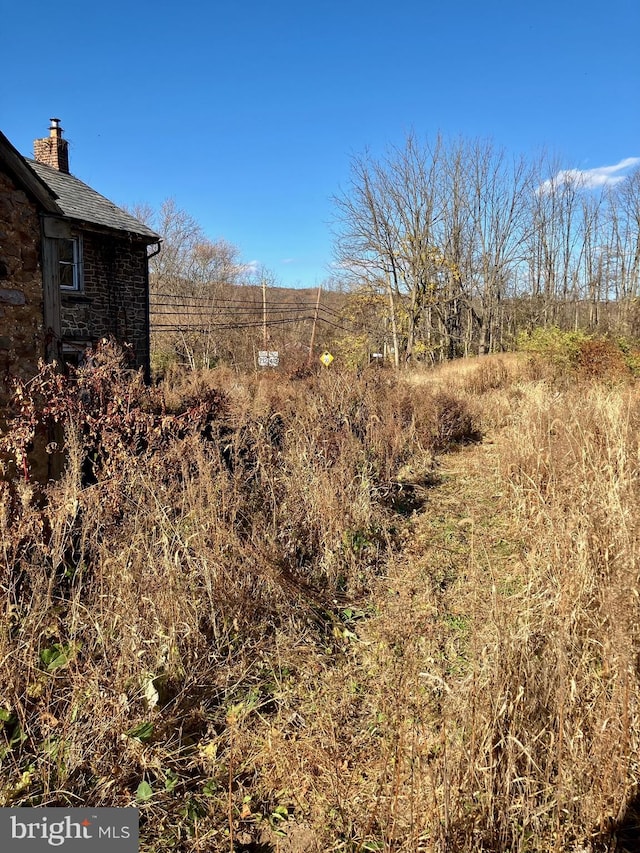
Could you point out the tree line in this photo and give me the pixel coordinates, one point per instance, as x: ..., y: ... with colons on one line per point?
x: 469, y: 246
x: 209, y: 306
x: 443, y: 248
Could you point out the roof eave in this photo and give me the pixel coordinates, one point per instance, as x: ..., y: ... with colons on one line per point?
x: 25, y: 175
x: 100, y: 228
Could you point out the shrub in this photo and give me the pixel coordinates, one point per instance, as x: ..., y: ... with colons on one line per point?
x: 599, y: 358
x: 162, y: 360
x: 576, y: 354
x: 490, y: 374
x: 196, y: 538
x: 556, y: 348
x: 631, y: 354
x: 454, y: 423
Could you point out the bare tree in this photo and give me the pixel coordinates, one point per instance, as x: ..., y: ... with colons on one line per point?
x: 188, y: 278
x: 441, y: 230
x: 628, y: 204
x: 500, y: 187
x: 385, y: 233
x: 189, y: 263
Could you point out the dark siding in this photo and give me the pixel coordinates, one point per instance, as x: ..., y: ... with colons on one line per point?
x: 114, y: 300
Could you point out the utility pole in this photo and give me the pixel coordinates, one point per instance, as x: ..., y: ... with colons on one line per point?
x: 384, y: 344
x: 315, y: 323
x: 264, y: 311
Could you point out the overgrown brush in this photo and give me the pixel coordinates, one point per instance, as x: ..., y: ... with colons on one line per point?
x: 218, y: 614
x: 552, y: 738
x: 566, y: 357
x: 194, y: 554
x: 493, y: 703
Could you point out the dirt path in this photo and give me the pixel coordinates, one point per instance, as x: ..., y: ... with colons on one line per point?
x: 370, y: 729
x: 463, y: 527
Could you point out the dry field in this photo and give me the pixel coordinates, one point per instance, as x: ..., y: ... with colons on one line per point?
x: 330, y: 613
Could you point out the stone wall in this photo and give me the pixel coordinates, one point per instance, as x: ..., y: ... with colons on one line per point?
x: 114, y: 299
x: 21, y: 308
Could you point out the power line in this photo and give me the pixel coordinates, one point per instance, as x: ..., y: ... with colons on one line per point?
x: 190, y: 310
x: 230, y: 304
x: 242, y: 308
x: 205, y: 327
x: 209, y: 298
x: 273, y: 321
x: 195, y: 309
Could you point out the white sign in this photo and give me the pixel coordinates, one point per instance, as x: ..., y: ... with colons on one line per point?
x: 268, y: 358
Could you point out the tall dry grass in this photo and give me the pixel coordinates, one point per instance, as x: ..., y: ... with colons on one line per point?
x: 223, y: 613
x: 544, y: 724
x: 491, y: 703
x: 559, y: 751
x: 199, y: 548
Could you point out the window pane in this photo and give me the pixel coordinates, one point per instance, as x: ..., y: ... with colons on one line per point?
x: 65, y: 251
x: 66, y: 275
x: 69, y: 263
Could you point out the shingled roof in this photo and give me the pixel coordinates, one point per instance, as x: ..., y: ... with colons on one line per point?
x: 78, y: 201
x: 11, y: 159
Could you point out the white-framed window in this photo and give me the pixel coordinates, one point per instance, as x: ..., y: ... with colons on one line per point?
x: 70, y: 263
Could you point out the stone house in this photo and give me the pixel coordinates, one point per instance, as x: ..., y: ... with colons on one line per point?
x: 73, y: 266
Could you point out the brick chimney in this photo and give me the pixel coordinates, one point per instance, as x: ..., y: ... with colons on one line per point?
x: 53, y: 150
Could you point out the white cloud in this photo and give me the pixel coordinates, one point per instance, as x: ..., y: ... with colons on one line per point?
x: 251, y: 267
x: 590, y: 179
x: 287, y: 260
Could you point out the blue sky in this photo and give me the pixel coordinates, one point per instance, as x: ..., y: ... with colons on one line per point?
x: 248, y: 113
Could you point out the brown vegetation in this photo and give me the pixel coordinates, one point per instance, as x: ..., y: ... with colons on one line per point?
x: 277, y: 612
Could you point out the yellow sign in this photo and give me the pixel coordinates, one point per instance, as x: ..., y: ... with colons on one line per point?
x: 326, y: 358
